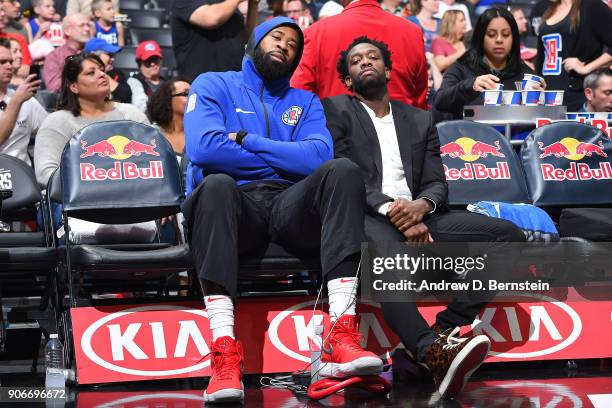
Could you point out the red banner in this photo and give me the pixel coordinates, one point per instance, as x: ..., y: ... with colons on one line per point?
x: 131, y: 343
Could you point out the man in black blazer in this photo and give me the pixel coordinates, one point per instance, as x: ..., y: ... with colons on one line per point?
x: 397, y: 149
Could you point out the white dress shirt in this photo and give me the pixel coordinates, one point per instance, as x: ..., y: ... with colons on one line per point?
x: 394, y: 182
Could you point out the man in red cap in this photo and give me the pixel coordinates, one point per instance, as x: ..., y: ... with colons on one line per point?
x: 149, y: 58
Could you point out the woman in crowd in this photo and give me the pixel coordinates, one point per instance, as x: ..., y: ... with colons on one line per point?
x: 84, y: 99
x: 448, y: 47
x: 571, y: 42
x: 423, y: 15
x: 493, y: 58
x: 166, y: 108
x: 18, y: 77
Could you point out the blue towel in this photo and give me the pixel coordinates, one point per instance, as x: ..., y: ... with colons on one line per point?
x: 535, y: 223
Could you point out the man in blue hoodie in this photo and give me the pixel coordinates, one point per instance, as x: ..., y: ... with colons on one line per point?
x: 261, y: 169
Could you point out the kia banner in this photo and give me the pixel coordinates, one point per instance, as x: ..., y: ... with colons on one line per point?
x: 161, y: 341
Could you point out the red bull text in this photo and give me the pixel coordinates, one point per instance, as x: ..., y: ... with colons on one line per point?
x: 478, y: 171
x: 122, y: 171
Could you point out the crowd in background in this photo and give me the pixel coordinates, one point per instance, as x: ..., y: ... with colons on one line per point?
x: 445, y: 53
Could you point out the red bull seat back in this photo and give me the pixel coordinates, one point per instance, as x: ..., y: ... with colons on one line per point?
x: 124, y: 170
x: 568, y: 163
x: 479, y: 164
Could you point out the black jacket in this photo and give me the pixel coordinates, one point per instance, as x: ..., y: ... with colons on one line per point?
x: 456, y: 90
x: 355, y: 138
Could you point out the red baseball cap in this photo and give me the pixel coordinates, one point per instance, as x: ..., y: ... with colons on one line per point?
x: 148, y: 49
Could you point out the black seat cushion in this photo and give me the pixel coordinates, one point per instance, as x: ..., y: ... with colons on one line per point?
x: 175, y: 257
x: 27, y: 259
x: 594, y: 224
x: 22, y: 239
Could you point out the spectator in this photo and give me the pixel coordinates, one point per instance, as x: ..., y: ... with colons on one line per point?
x: 265, y: 174
x: 454, y: 5
x: 493, y: 57
x: 598, y: 91
x: 11, y: 18
x: 298, y: 11
x: 573, y: 37
x: 105, y: 25
x: 149, y: 58
x: 83, y: 100
x: 27, y: 58
x: 20, y: 114
x: 423, y: 12
x: 449, y: 47
x: 482, y: 5
x: 84, y: 7
x: 18, y: 77
x: 527, y: 54
x: 120, y: 90
x: 208, y: 35
x: 325, y: 39
x: 393, y: 6
x: 166, y: 108
x: 41, y: 24
x: 409, y: 205
x: 77, y: 31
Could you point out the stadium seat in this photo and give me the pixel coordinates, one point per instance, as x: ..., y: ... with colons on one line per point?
x: 162, y: 36
x: 169, y: 59
x: 132, y: 5
x: 47, y: 99
x: 126, y: 60
x: 568, y: 166
x: 479, y: 164
x: 146, y: 18
x: 161, y: 4
x: 27, y: 260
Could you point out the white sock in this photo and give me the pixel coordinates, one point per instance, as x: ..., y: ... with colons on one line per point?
x: 342, y: 293
x: 220, y: 311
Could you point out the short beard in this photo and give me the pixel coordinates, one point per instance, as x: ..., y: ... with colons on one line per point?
x: 370, y: 88
x: 269, y: 68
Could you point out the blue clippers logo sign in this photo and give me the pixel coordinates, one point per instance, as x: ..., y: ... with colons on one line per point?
x: 292, y: 115
x: 552, y: 60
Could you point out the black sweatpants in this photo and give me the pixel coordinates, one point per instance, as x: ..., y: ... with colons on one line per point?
x: 323, y: 211
x: 456, y: 226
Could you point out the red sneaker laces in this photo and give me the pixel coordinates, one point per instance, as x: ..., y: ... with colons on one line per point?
x: 225, y: 362
x: 349, y: 338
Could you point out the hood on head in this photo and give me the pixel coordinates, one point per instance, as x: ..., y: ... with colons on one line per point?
x: 264, y: 28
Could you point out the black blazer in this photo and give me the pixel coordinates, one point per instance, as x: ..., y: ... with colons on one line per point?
x: 355, y: 138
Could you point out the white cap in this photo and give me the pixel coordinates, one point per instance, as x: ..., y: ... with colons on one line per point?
x: 53, y: 336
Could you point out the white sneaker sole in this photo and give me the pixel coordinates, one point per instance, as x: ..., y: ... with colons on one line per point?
x: 360, y: 366
x: 463, y: 366
x: 226, y: 395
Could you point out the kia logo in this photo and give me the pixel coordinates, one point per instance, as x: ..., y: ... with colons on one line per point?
x: 156, y: 399
x: 532, y: 392
x: 295, y: 326
x: 541, y: 328
x: 169, y: 343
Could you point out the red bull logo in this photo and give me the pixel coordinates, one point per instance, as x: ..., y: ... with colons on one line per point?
x: 470, y: 150
x: 574, y: 150
x: 120, y: 148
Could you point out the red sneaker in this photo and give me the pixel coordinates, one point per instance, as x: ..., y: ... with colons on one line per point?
x: 225, y: 384
x: 342, y: 355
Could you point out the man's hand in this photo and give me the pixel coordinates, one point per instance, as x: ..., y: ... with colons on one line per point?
x: 405, y: 214
x: 232, y: 136
x: 27, y: 89
x: 418, y: 233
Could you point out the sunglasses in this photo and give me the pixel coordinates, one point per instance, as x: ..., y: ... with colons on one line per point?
x: 186, y: 93
x: 151, y: 61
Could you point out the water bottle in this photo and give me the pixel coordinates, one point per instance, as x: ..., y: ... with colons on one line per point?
x: 54, y: 362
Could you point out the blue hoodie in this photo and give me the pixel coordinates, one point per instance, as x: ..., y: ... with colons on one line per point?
x: 287, y: 133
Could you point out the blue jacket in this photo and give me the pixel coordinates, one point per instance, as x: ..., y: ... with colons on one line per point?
x: 287, y: 133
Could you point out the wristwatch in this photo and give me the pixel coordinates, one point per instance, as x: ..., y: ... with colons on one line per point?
x: 240, y: 136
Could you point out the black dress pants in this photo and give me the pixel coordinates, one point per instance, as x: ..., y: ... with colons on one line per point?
x: 323, y: 211
x: 455, y: 226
